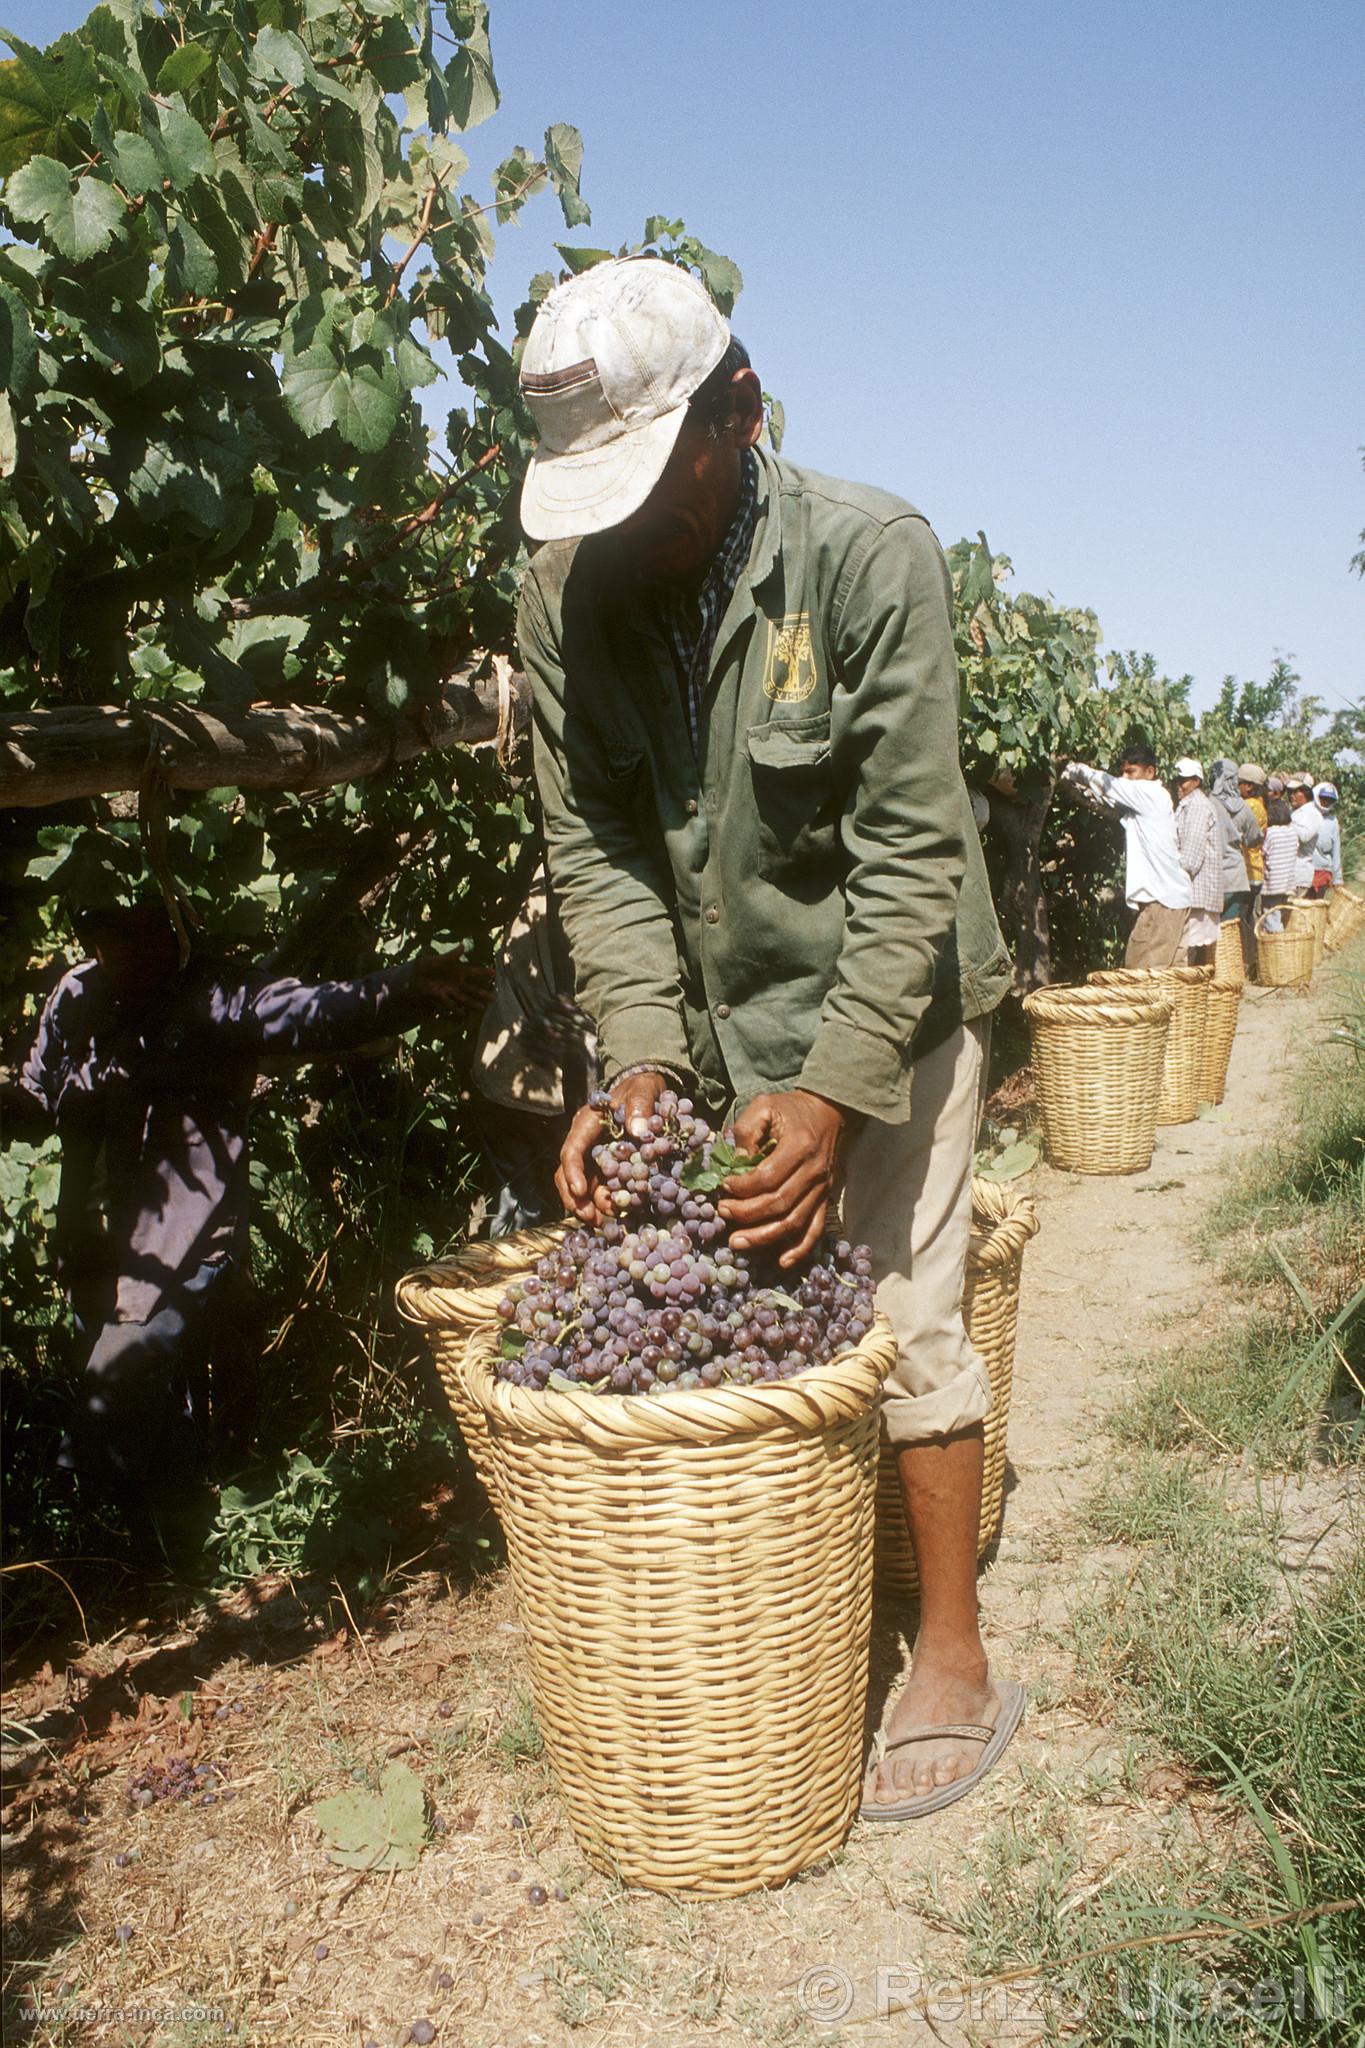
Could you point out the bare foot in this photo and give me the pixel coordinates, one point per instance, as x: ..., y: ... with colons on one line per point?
x: 935, y: 1692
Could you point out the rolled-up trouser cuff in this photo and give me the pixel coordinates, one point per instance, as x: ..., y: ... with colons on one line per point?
x: 943, y: 1411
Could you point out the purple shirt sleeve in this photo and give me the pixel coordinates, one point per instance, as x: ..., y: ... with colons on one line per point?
x: 48, y: 1066
x: 316, y: 1017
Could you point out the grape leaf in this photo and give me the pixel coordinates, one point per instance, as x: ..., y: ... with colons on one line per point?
x: 722, y: 279
x: 358, y: 400
x: 578, y: 260
x: 39, y: 90
x: 183, y: 147
x: 377, y: 1831
x: 80, y: 215
x: 9, y: 437
x: 705, y: 1173
x: 513, y: 1343
x: 278, y: 54
x: 471, y: 88
x: 18, y: 349
x: 186, y: 64
x: 136, y: 162
x: 564, y: 160
x: 1015, y: 1160
x: 190, y: 269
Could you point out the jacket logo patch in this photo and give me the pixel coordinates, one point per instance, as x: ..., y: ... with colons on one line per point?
x: 789, y: 673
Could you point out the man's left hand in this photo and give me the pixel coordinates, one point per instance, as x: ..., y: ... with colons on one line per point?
x: 785, y: 1199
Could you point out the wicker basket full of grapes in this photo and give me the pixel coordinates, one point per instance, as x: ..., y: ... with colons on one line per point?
x: 681, y: 1442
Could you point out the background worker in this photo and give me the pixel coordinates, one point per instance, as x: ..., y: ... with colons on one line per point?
x: 745, y: 706
x: 1306, y: 819
x: 1156, y: 886
x: 1200, y: 839
x: 1327, y: 871
x: 146, y: 1071
x: 1251, y: 787
x: 1280, y: 847
x: 1242, y: 832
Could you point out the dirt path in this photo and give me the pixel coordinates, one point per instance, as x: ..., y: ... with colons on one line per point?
x: 237, y: 1909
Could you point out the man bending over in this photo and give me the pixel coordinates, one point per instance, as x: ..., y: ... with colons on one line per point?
x: 745, y: 705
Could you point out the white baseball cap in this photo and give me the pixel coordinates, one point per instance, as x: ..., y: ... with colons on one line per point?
x: 609, y: 366
x: 1185, y: 768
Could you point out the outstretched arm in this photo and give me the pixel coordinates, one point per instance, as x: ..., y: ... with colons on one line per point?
x: 308, y: 1018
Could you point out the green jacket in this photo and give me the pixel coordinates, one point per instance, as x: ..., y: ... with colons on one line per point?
x: 809, y: 905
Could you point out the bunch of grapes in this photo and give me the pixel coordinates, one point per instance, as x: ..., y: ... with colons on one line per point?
x: 177, y: 1778
x: 654, y: 1297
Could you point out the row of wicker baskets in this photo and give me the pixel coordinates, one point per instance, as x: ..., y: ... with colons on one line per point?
x: 695, y: 1575
x: 1132, y: 1048
x: 1137, y: 1047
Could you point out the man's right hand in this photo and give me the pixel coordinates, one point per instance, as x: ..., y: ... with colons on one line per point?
x: 576, y: 1180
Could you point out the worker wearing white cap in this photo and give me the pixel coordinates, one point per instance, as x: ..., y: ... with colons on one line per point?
x: 1200, y: 840
x: 1251, y: 787
x: 745, y: 713
x: 1327, y: 857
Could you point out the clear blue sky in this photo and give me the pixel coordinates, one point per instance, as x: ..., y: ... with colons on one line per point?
x: 1087, y: 276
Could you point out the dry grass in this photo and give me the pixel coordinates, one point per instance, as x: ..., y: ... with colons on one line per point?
x: 1088, y: 1834
x: 234, y: 1910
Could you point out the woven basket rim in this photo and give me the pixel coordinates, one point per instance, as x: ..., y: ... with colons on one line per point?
x: 812, y: 1401
x: 1080, y: 1002
x: 1000, y: 1236
x: 1299, y: 938
x: 442, y: 1284
x: 1137, y: 977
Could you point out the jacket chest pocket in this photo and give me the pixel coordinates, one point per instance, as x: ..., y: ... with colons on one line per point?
x: 794, y: 801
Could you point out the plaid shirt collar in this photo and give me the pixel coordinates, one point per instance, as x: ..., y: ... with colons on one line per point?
x: 693, y: 621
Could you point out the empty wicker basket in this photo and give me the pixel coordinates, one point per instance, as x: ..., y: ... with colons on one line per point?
x: 1098, y: 1055
x: 1345, y: 918
x: 1188, y: 988
x: 1002, y: 1224
x: 1220, y: 1028
x: 695, y: 1580
x: 1284, y: 959
x: 1229, y: 959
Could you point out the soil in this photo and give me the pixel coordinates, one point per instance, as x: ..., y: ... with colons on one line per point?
x: 231, y: 1909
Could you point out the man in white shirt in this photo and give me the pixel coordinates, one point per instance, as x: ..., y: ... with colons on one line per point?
x: 1307, y: 822
x: 1156, y: 886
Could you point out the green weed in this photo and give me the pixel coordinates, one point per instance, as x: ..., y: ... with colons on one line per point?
x: 519, y: 1738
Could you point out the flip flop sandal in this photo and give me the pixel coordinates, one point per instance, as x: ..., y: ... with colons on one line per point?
x: 996, y: 1736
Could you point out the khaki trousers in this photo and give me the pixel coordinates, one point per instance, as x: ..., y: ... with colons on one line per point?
x: 1158, y: 937
x: 908, y: 1196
